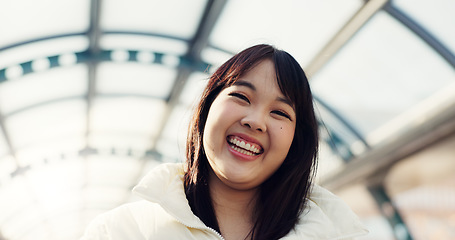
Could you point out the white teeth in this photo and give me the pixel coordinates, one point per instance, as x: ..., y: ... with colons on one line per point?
x: 242, y: 151
x: 242, y: 144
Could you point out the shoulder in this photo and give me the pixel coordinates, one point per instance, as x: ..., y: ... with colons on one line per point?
x: 326, y: 216
x: 163, y: 213
x: 142, y: 220
x: 123, y: 222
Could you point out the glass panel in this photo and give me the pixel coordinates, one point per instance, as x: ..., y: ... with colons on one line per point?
x: 4, y: 149
x: 214, y: 57
x: 27, y: 19
x: 435, y: 16
x: 51, y: 122
x: 56, y: 186
x: 50, y: 152
x: 15, y: 205
x: 300, y: 27
x: 7, y: 166
x: 339, y: 135
x: 137, y: 79
x: 104, y: 197
x: 125, y: 122
x: 171, y: 17
x: 112, y: 171
x: 32, y: 89
x: 18, y: 225
x: 173, y: 141
x: 329, y: 161
x: 107, y: 141
x: 380, y: 74
x: 193, y: 89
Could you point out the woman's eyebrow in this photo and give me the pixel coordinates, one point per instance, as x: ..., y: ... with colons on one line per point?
x: 252, y: 87
x: 286, y: 101
x: 245, y: 84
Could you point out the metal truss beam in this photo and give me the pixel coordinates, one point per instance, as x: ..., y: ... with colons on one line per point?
x: 435, y: 121
x: 200, y: 40
x: 344, y: 35
x: 94, y: 51
x: 390, y: 212
x: 9, y: 144
x: 421, y: 32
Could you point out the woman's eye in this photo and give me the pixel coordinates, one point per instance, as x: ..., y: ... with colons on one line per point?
x: 283, y: 114
x: 240, y: 96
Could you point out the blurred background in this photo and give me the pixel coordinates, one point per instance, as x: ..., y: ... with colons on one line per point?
x: 93, y: 94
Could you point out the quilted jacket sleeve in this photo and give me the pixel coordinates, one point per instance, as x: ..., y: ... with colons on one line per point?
x: 97, y: 229
x: 116, y: 224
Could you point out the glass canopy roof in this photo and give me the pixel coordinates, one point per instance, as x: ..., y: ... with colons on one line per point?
x: 95, y: 93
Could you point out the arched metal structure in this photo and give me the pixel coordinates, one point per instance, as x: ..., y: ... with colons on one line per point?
x: 368, y: 164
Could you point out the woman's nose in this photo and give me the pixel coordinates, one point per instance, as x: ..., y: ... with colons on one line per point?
x: 255, y: 120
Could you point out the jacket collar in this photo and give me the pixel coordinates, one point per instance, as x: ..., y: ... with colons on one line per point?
x: 325, y: 217
x: 164, y: 185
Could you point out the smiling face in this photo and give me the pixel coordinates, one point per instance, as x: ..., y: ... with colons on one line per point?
x: 249, y: 129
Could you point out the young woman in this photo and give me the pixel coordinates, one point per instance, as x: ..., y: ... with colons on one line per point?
x: 251, y: 153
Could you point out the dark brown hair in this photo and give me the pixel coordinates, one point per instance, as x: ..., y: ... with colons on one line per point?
x: 283, y: 196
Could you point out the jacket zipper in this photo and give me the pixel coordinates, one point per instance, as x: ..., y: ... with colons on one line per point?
x: 165, y: 207
x: 206, y: 228
x: 216, y: 232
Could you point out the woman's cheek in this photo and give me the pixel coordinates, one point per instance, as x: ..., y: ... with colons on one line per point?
x: 285, y: 132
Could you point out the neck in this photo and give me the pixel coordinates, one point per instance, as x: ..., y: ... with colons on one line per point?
x: 225, y: 197
x: 233, y: 208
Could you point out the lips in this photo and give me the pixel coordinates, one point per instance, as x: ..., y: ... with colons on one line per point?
x: 243, y: 146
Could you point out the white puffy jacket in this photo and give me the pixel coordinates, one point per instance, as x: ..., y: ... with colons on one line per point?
x: 164, y: 214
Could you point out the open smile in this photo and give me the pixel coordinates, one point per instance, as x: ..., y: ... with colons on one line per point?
x: 244, y: 147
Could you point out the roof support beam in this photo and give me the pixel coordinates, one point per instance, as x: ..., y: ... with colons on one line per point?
x: 422, y: 33
x: 94, y: 34
x: 9, y: 144
x: 417, y: 131
x: 200, y: 40
x: 343, y: 121
x: 344, y: 35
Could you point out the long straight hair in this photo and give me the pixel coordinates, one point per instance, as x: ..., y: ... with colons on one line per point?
x: 283, y: 196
